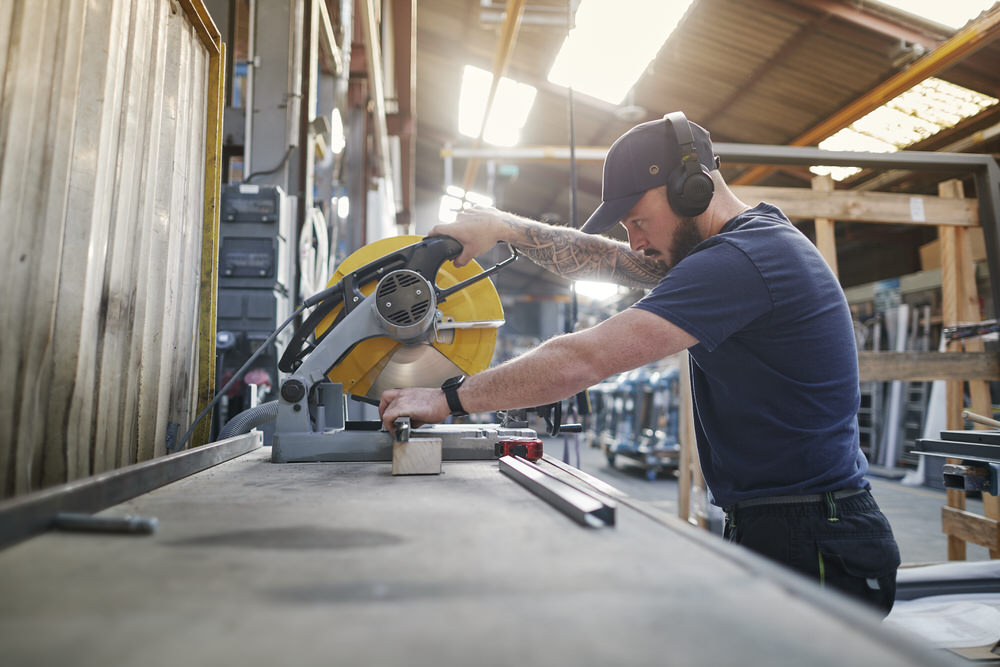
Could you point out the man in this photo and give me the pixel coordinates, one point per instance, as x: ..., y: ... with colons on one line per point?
x: 773, y: 360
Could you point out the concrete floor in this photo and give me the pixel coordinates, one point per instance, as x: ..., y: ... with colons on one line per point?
x: 914, y: 512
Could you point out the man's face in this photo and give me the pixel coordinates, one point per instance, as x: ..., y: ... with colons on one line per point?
x: 656, y: 231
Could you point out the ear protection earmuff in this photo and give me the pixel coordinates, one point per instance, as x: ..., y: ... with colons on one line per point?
x: 689, y: 186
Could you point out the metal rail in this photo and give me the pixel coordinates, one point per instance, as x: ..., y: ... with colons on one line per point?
x: 585, y: 508
x: 28, y: 515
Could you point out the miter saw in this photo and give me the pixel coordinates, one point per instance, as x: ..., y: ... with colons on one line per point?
x: 397, y: 313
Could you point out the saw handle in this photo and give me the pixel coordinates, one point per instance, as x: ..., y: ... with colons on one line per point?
x: 424, y: 257
x: 445, y: 293
x: 552, y: 414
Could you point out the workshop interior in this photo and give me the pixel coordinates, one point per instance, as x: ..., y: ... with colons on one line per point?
x: 218, y: 217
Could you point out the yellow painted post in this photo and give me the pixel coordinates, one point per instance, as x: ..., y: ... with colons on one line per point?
x: 209, y: 35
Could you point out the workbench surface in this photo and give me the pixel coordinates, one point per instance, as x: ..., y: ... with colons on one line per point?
x: 343, y: 564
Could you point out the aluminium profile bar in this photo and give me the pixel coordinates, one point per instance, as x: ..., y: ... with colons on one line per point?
x: 580, y: 506
x: 25, y: 516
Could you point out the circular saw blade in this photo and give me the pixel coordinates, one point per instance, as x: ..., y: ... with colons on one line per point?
x: 381, y: 363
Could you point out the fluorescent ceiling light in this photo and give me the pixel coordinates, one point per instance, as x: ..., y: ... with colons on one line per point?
x: 595, y: 290
x: 953, y: 13
x: 612, y: 43
x: 510, y: 109
x: 451, y: 203
x: 921, y: 112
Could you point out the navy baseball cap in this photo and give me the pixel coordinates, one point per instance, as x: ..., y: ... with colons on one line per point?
x: 640, y: 160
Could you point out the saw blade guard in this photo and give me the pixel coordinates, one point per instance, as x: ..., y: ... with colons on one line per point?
x: 383, y: 362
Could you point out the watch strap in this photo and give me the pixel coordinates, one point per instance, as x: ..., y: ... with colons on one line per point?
x: 450, y: 389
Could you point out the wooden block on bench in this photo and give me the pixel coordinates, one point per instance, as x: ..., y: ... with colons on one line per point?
x: 417, y: 456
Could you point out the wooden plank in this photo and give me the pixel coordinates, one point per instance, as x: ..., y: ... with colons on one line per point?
x: 969, y: 311
x: 20, y: 115
x: 42, y: 237
x: 155, y: 276
x: 84, y: 240
x: 927, y: 366
x: 951, y: 299
x: 851, y: 205
x: 93, y: 198
x: 54, y: 375
x: 686, y: 436
x: 825, y: 233
x: 417, y: 456
x: 968, y: 527
x: 171, y: 193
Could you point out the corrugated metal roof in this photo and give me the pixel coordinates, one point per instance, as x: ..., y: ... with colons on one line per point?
x: 754, y: 71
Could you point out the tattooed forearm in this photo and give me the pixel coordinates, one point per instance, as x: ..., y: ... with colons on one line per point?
x: 573, y: 254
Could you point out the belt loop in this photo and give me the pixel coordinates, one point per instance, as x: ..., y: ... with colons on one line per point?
x: 831, y: 508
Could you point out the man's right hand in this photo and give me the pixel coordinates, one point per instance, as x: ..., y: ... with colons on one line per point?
x: 477, y: 228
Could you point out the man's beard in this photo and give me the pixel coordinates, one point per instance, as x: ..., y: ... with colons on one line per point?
x: 685, y: 239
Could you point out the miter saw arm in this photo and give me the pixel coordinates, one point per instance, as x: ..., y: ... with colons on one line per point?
x: 424, y: 258
x: 395, y: 296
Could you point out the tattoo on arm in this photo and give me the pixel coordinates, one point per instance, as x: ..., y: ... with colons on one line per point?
x: 573, y: 254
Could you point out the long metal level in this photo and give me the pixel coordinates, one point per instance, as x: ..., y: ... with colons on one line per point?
x: 256, y: 563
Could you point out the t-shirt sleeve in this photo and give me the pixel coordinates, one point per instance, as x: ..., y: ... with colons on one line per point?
x: 711, y: 294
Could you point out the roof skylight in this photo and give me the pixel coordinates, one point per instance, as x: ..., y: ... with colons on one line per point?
x: 921, y: 112
x: 613, y: 43
x: 510, y: 107
x: 452, y: 202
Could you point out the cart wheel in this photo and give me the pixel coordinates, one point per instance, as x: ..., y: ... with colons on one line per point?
x: 651, y: 474
x: 611, y: 459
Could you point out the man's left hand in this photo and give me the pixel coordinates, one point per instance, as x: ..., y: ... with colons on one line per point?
x: 421, y: 405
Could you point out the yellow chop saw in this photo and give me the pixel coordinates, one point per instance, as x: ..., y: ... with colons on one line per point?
x: 397, y: 313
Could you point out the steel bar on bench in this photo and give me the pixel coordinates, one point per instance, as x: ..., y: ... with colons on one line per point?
x: 582, y: 507
x: 27, y: 515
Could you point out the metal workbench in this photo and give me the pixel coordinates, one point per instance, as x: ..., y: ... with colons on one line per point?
x: 341, y: 563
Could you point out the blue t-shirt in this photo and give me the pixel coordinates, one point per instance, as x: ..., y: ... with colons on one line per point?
x: 775, y: 371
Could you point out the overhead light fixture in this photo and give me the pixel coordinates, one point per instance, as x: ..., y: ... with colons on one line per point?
x: 451, y: 202
x: 953, y: 14
x: 510, y: 109
x: 921, y: 112
x: 612, y: 43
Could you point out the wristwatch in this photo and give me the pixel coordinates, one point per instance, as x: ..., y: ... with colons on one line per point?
x: 450, y: 389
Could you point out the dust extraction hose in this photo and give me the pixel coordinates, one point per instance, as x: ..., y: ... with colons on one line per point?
x: 250, y: 419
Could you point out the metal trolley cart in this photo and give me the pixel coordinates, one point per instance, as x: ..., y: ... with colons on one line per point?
x: 639, y: 419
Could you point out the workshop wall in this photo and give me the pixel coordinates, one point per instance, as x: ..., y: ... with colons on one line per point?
x: 102, y: 199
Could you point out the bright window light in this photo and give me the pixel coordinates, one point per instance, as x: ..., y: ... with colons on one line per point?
x: 343, y: 207
x: 953, y: 14
x: 337, y: 138
x: 451, y: 203
x: 595, y: 290
x: 921, y: 112
x: 612, y: 43
x: 510, y: 109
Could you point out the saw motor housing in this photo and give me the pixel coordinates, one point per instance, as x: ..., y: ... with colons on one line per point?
x: 397, y: 301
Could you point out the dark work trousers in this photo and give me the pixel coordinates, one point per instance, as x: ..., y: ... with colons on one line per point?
x: 840, y: 540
